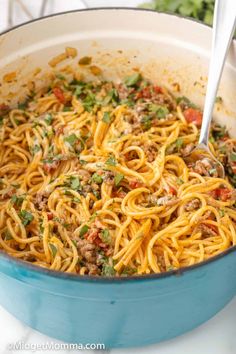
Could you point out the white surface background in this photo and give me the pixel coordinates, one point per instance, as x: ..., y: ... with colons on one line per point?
x: 218, y: 336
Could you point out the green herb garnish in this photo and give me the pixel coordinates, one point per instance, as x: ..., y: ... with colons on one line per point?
x: 7, y: 235
x: 17, y: 200
x: 26, y: 217
x: 233, y: 156
x: 118, y: 178
x: 108, y: 270
x: 132, y: 80
x: 71, y: 139
x: 53, y: 249
x: 48, y: 119
x: 105, y: 236
x: 96, y: 178
x: 111, y: 161
x: 146, y: 121
x: 84, y: 229
x: 106, y: 118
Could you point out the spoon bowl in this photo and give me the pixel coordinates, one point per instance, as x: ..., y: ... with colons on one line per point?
x: 205, y: 162
x: 223, y: 29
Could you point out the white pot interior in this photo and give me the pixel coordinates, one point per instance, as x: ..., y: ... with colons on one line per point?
x: 165, y: 48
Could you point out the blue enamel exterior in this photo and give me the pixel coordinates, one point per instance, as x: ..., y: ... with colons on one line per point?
x: 119, y: 313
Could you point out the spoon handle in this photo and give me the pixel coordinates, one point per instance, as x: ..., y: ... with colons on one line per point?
x: 223, y: 29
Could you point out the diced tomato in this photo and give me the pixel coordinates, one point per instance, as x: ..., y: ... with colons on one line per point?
x: 144, y: 93
x: 224, y: 138
x: 157, y: 89
x: 59, y: 94
x: 50, y: 216
x: 172, y: 190
x: 193, y: 116
x: 233, y: 166
x: 221, y: 193
x: 120, y: 194
x: 50, y: 166
x: 212, y: 227
x: 4, y: 109
x: 135, y: 184
x: 92, y: 235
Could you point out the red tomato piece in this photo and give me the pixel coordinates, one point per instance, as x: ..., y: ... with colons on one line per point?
x: 135, y: 184
x: 193, y: 116
x: 59, y: 94
x: 221, y: 193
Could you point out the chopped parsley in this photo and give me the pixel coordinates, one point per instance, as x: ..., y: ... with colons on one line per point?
x: 17, y: 200
x: 160, y: 111
x: 118, y: 178
x: 84, y: 229
x: 26, y: 217
x: 53, y: 249
x: 23, y: 105
x: 71, y: 139
x: 222, y: 213
x: 35, y: 149
x: 132, y: 80
x: 105, y: 236
x: 111, y: 161
x: 48, y: 119
x: 185, y: 101
x: 96, y: 178
x: 108, y: 270
x: 7, y: 235
x: 179, y: 143
x: 146, y: 121
x: 89, y: 102
x: 106, y: 118
x: 233, y: 156
x: 73, y: 183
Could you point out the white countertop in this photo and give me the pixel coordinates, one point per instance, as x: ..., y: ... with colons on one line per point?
x: 217, y: 336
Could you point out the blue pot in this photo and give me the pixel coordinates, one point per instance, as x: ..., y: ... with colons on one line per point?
x: 119, y: 312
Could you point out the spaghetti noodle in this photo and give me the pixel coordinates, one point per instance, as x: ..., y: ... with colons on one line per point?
x: 94, y: 180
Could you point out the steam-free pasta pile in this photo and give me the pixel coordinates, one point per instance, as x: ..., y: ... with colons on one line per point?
x: 94, y: 180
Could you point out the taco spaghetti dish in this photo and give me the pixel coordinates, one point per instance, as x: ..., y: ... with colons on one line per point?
x: 95, y: 180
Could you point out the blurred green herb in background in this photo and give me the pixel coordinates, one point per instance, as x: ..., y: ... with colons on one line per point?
x: 199, y: 9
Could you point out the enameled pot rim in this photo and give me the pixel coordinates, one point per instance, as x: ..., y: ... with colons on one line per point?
x: 103, y: 279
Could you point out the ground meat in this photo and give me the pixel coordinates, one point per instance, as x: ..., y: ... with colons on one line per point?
x: 109, y: 178
x: 7, y: 193
x: 93, y: 269
x: 123, y: 91
x: 166, y: 200
x: 84, y: 175
x: 204, y: 166
x: 187, y: 149
x: 60, y: 130
x: 41, y: 200
x: 150, y: 151
x: 192, y: 205
x: 87, y: 250
x: 4, y: 109
x: 207, y: 230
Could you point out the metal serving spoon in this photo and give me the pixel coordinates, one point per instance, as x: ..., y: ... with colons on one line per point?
x: 224, y: 23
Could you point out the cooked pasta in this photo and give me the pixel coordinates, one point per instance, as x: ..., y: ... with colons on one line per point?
x: 95, y: 180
